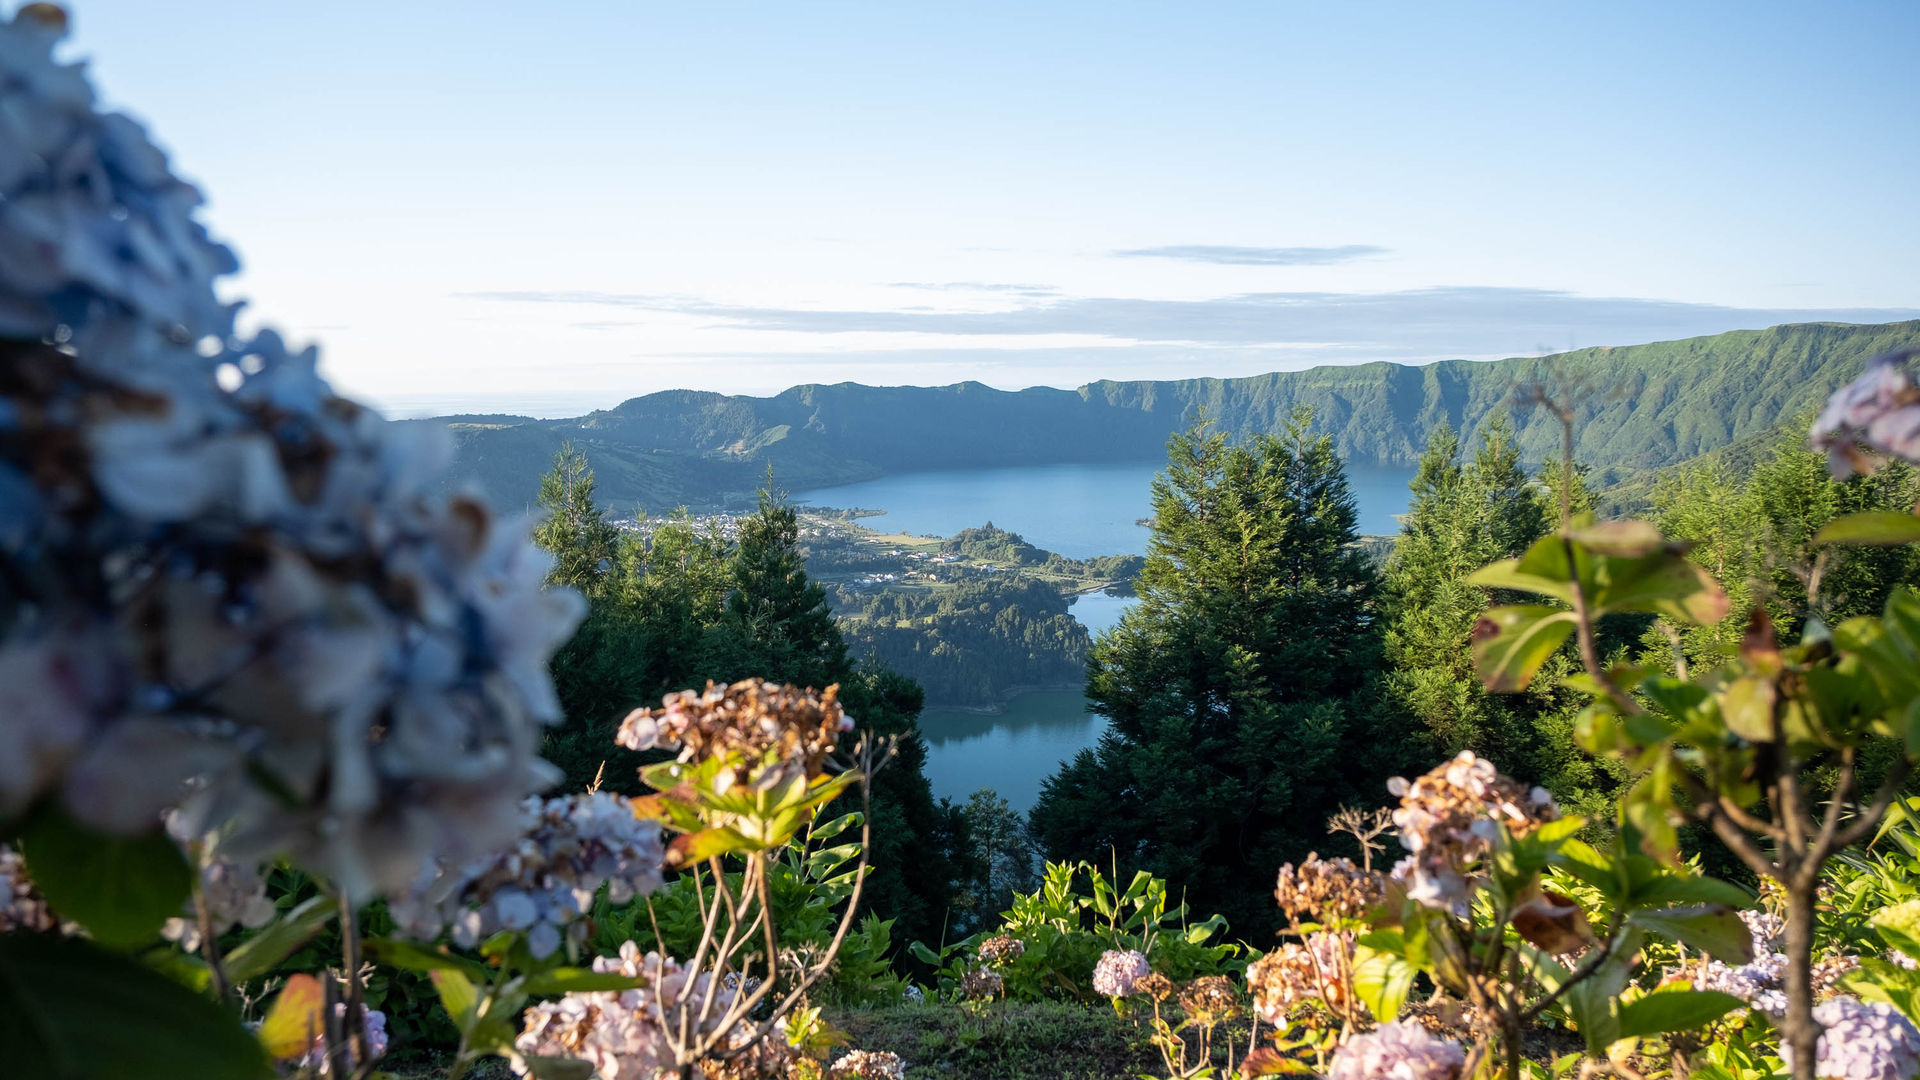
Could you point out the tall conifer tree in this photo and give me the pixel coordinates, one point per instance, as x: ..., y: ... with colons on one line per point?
x: 1231, y: 689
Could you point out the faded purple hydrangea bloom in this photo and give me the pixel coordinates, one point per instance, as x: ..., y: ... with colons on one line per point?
x: 1863, y: 1041
x: 1118, y: 970
x: 1397, y: 1051
x: 230, y: 591
x: 1876, y: 415
x: 544, y: 884
x: 316, y: 1057
x: 1448, y: 819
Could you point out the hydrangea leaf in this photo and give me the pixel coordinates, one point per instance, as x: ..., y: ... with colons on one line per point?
x: 1510, y: 643
x: 1675, y: 1010
x: 411, y: 957
x: 1899, y: 927
x: 554, y: 1068
x: 457, y: 994
x: 72, y: 1010
x: 568, y: 980
x: 121, y: 888
x: 262, y: 952
x: 1382, y: 980
x: 1876, y: 528
x: 1714, y: 929
x: 296, y: 1018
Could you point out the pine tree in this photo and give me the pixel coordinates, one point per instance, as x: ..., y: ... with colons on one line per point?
x: 775, y: 606
x: 1462, y: 517
x: 575, y: 530
x: 1232, y: 689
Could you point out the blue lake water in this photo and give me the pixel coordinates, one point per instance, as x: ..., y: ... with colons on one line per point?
x: 1078, y: 511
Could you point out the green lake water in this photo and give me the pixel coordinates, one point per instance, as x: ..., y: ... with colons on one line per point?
x: 1078, y: 511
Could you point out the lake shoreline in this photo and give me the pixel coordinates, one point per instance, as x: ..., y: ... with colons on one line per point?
x: 999, y: 708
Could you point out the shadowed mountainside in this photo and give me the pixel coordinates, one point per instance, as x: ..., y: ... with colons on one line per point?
x: 1645, y: 406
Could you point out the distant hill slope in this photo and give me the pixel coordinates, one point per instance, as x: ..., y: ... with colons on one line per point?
x: 1646, y: 406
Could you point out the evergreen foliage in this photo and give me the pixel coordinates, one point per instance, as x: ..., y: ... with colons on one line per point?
x: 573, y: 527
x: 971, y: 643
x: 684, y: 606
x: 1755, y: 535
x: 1235, y: 689
x: 1467, y: 512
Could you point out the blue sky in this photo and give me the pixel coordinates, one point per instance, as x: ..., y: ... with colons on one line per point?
x: 547, y: 208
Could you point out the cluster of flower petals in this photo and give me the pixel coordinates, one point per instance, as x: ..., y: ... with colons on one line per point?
x: 869, y: 1065
x: 544, y: 883
x: 1447, y: 820
x: 374, y: 1022
x: 231, y: 591
x: 1297, y: 973
x: 1326, y: 890
x: 1877, y: 414
x: 625, y: 1034
x: 981, y: 982
x: 1001, y: 949
x: 1862, y: 1041
x: 1761, y: 981
x: 757, y: 725
x: 1398, y: 1051
x: 1118, y: 971
x: 21, y: 906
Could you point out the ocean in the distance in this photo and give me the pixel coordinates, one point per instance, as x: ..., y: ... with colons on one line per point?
x: 1078, y: 511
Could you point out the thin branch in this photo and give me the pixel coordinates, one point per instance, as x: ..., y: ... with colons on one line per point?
x: 1869, y: 819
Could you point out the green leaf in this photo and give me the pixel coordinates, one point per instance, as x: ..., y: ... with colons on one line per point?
x: 457, y: 994
x: 1648, y: 811
x: 1199, y: 932
x: 924, y: 954
x: 578, y: 980
x: 1878, y: 528
x: 552, y: 1068
x: 121, y: 888
x: 70, y: 1010
x: 1510, y: 643
x: 1630, y: 538
x: 1382, y: 981
x: 261, y: 953
x: 1674, y: 1010
x: 1594, y: 1002
x: 411, y: 957
x: 1899, y: 927
x: 831, y: 829
x: 1671, y: 888
x: 825, y: 861
x: 1579, y: 859
x: 1712, y: 928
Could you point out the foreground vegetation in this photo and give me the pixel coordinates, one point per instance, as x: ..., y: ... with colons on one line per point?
x: 271, y: 804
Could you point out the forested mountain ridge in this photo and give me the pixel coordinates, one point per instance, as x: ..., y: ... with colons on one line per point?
x: 1646, y: 406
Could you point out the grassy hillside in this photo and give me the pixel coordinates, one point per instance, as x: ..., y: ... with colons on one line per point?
x: 1644, y: 407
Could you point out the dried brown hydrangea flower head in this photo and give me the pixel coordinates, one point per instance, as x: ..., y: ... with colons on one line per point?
x: 1156, y: 986
x: 1295, y: 974
x: 760, y: 722
x: 1210, y: 999
x: 1326, y: 890
x: 1448, y: 818
x: 981, y: 983
x: 1001, y: 949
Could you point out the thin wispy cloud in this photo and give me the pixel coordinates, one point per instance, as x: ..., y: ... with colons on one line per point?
x: 994, y: 287
x: 1415, y: 324
x: 1226, y: 255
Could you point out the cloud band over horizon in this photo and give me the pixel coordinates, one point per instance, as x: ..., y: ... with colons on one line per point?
x: 1420, y: 324
x: 1231, y: 255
